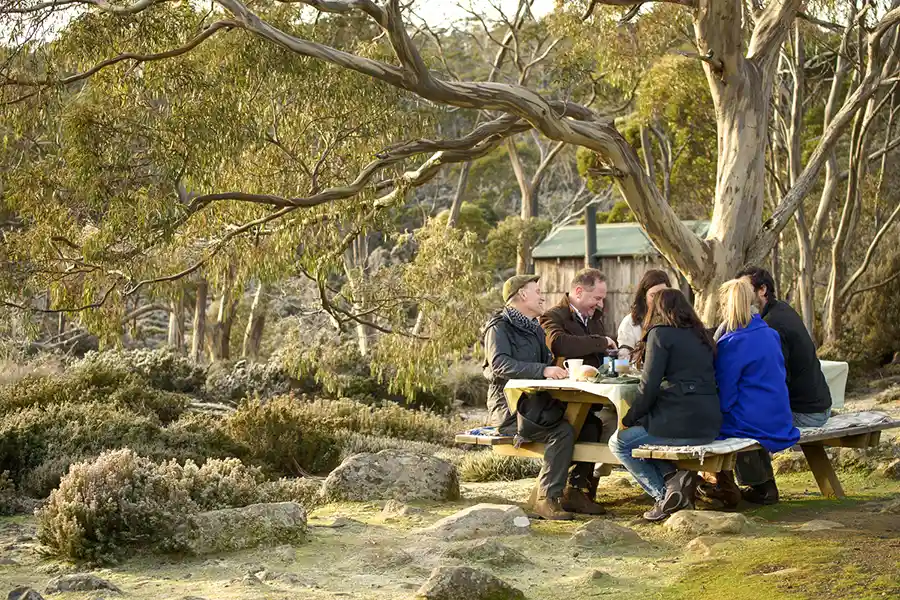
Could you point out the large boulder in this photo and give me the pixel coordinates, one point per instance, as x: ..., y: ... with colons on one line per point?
x: 239, y: 528
x: 600, y: 532
x: 698, y: 522
x: 79, y: 582
x: 24, y: 593
x: 392, y: 474
x: 481, y: 520
x: 466, y: 583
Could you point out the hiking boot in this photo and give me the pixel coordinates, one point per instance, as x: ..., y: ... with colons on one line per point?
x: 551, y: 509
x: 679, y: 491
x: 577, y: 501
x: 764, y: 493
x: 724, y: 491
x: 657, y: 513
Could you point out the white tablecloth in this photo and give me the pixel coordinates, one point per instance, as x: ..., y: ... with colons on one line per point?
x: 621, y: 395
x: 836, y: 376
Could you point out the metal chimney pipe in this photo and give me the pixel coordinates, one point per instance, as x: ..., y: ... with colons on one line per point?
x: 590, y: 235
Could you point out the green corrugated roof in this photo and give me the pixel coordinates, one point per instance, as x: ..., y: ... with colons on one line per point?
x: 613, y: 239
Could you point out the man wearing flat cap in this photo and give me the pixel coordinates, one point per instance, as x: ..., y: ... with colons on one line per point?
x: 515, y: 348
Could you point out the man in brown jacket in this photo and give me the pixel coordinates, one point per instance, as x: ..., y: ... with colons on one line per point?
x: 575, y: 329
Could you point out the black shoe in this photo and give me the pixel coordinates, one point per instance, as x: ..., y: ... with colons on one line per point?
x: 680, y: 487
x: 764, y: 493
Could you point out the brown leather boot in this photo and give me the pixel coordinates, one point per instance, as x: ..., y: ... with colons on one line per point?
x: 551, y: 509
x: 577, y: 501
x: 725, y: 490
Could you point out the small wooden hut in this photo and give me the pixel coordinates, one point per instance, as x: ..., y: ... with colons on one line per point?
x: 621, y: 250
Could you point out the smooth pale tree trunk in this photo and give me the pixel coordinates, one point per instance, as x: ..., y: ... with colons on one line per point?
x: 221, y: 330
x: 255, y: 325
x: 176, y: 323
x: 198, y: 334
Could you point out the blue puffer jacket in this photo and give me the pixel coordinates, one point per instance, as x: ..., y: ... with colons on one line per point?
x: 753, y: 390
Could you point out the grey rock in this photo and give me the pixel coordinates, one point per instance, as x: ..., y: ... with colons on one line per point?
x: 891, y: 508
x: 891, y: 470
x: 820, y: 525
x: 393, y: 508
x: 697, y: 522
x: 466, y: 583
x: 703, y: 545
x: 488, y: 551
x: 7, y: 561
x: 600, y: 532
x: 79, y: 582
x: 481, y: 520
x: 24, y: 593
x: 392, y: 474
x: 240, y: 528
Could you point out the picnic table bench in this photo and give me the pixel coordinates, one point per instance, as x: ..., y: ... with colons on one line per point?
x: 852, y: 430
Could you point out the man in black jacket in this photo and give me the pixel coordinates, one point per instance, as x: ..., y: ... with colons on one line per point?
x: 515, y: 348
x: 808, y: 390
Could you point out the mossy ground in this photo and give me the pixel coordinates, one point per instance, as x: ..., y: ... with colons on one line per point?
x: 383, y: 558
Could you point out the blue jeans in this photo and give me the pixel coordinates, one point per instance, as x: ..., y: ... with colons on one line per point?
x: 649, y: 472
x: 811, y: 419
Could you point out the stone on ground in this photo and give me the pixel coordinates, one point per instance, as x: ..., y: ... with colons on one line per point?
x: 601, y: 532
x: 481, y: 520
x: 466, y: 583
x: 891, y: 508
x: 703, y: 545
x: 820, y: 525
x: 79, y: 582
x: 240, y: 528
x: 488, y: 551
x: 393, y: 508
x: 891, y: 470
x: 392, y: 474
x: 698, y: 522
x: 24, y: 593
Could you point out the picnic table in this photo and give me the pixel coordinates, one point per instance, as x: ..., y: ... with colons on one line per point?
x: 853, y: 430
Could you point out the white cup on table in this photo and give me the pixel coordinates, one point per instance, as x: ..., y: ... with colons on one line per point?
x: 573, y: 365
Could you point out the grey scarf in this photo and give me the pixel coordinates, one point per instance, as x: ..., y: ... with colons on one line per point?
x: 521, y: 320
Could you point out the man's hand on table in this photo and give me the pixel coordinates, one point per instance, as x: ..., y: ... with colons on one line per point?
x: 555, y: 373
x: 611, y: 344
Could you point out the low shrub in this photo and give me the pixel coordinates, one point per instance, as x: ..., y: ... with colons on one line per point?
x: 121, y: 501
x: 37, y: 444
x: 487, y: 466
x: 93, y: 383
x: 117, y: 502
x: 892, y: 394
x: 230, y: 383
x: 162, y: 368
x: 9, y: 501
x: 280, y: 436
x: 302, y: 490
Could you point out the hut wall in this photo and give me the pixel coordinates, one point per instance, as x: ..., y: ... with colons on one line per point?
x: 623, y: 274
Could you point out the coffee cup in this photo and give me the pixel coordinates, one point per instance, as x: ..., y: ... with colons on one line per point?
x: 573, y: 365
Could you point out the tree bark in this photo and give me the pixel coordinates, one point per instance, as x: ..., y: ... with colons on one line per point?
x: 198, y: 335
x: 255, y: 325
x: 176, y: 323
x: 456, y: 206
x: 221, y: 331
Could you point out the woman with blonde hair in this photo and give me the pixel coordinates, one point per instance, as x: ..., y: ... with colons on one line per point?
x: 750, y: 374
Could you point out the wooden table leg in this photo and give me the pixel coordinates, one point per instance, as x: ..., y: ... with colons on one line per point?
x: 576, y: 414
x: 823, y: 471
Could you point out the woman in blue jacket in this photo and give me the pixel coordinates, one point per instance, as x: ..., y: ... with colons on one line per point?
x: 750, y: 373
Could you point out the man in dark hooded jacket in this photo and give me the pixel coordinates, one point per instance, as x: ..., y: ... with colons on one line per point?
x: 515, y: 348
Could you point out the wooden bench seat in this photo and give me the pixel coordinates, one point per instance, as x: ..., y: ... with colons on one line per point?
x: 812, y: 443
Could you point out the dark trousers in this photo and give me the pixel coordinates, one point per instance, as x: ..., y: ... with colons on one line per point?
x: 755, y: 468
x: 559, y: 443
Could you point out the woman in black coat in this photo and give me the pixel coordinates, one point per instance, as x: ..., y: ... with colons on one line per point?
x: 677, y: 403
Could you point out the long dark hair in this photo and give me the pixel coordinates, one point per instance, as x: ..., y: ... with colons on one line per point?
x: 651, y: 279
x: 671, y: 309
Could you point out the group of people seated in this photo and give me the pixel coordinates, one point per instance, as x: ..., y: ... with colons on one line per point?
x: 754, y: 375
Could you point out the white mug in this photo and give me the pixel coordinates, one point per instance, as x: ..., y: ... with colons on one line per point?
x: 572, y: 365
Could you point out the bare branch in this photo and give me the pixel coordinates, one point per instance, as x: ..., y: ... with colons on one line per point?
x: 875, y: 286
x: 103, y: 5
x: 845, y: 291
x: 819, y: 22
x: 138, y: 58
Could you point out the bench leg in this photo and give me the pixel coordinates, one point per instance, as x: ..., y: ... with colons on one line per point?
x: 823, y: 471
x: 533, y: 498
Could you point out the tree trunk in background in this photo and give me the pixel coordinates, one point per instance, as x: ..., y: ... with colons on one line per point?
x: 61, y: 324
x: 460, y: 194
x: 255, y: 325
x: 199, y: 331
x: 176, y: 323
x: 221, y: 331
